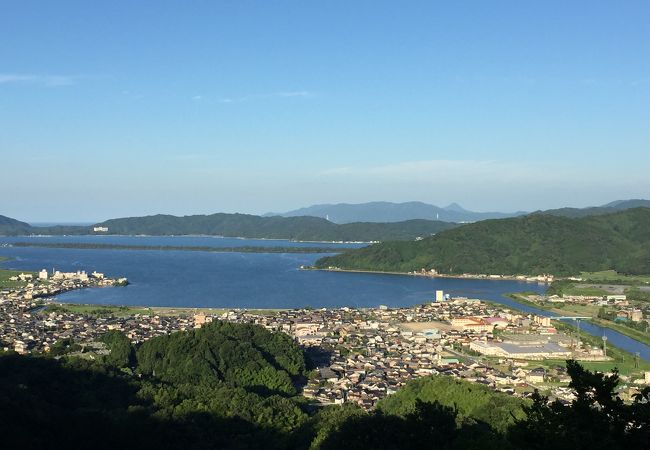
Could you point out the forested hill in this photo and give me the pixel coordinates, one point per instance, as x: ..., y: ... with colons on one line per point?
x: 609, y: 208
x: 534, y: 244
x: 297, y: 228
x: 225, y: 387
x: 244, y: 225
x: 9, y: 226
x: 242, y: 355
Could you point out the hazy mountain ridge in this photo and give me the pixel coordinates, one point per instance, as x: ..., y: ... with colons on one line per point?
x: 393, y: 212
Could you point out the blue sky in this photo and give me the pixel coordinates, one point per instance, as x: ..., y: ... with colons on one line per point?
x: 132, y: 108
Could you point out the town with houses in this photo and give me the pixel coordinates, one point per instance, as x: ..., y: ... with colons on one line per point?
x: 362, y: 355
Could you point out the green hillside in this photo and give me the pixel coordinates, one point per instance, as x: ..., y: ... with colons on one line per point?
x: 534, y: 244
x: 243, y: 225
x: 609, y: 208
x: 241, y: 355
x: 473, y: 402
x: 171, y: 393
x: 9, y: 226
x: 296, y: 228
x: 225, y: 386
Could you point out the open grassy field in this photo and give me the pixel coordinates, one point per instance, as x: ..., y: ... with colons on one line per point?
x: 5, y: 274
x: 609, y: 276
x: 167, y: 311
x: 124, y: 311
x: 589, y: 291
x: 572, y: 309
x: 625, y: 367
x: 97, y: 310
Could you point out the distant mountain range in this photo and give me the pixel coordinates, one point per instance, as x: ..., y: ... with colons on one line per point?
x: 393, y: 212
x: 362, y: 222
x: 396, y: 212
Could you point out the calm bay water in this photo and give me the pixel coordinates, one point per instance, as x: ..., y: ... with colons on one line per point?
x: 180, y: 241
x: 244, y: 280
x: 250, y: 280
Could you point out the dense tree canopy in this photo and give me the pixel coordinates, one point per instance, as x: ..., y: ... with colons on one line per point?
x: 534, y: 244
x: 201, y: 389
x: 244, y: 225
x: 596, y: 419
x: 240, y: 354
x: 121, y: 351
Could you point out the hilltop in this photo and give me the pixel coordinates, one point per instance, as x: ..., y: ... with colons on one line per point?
x: 609, y: 208
x: 534, y: 244
x: 9, y: 226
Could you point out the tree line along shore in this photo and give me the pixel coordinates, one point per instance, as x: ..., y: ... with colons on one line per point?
x: 242, y: 249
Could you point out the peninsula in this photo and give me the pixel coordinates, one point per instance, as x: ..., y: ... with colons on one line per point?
x: 191, y: 248
x: 533, y: 245
x: 240, y: 225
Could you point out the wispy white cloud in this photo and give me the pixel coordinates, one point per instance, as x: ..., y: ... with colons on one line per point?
x: 39, y: 79
x: 270, y: 95
x: 197, y: 98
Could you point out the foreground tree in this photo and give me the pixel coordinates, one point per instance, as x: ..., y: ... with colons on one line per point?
x: 596, y: 419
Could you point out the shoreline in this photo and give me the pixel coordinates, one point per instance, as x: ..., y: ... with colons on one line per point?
x: 243, y: 249
x: 428, y: 275
x: 215, y: 236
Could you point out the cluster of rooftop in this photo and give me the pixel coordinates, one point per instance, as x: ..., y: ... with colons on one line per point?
x: 362, y: 355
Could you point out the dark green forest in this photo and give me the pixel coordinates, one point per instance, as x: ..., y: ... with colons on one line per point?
x: 618, y: 205
x: 232, y: 386
x: 243, y: 225
x: 530, y: 245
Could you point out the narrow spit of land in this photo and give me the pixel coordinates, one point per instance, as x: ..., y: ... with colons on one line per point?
x: 244, y: 249
x: 465, y: 276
